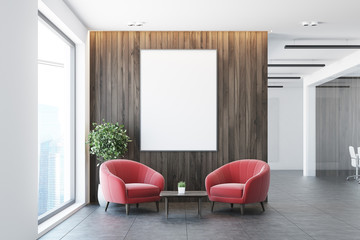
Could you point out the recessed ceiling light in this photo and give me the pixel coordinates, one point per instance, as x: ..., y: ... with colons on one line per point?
x: 136, y: 24
x: 310, y: 23
x: 305, y: 24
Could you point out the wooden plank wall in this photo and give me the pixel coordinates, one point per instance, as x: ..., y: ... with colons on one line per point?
x: 337, y: 118
x: 242, y: 97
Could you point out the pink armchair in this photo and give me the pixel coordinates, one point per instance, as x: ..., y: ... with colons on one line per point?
x: 241, y: 182
x: 128, y: 182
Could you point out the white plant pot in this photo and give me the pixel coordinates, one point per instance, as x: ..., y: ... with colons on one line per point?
x: 181, y: 190
x: 100, y: 195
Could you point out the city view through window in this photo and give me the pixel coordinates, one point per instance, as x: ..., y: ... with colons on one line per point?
x: 55, y: 121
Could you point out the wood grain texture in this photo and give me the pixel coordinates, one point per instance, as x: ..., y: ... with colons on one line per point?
x: 242, y: 98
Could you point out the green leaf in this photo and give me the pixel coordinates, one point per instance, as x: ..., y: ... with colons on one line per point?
x: 108, y: 141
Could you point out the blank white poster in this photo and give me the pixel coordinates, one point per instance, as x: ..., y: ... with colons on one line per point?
x: 178, y: 100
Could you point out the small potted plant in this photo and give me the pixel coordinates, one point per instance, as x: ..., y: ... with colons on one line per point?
x: 181, y: 187
x: 107, y: 141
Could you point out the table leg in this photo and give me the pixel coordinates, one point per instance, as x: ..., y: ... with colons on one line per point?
x: 199, y: 207
x: 166, y: 207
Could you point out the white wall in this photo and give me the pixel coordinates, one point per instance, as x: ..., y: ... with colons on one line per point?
x: 18, y: 121
x: 285, y: 123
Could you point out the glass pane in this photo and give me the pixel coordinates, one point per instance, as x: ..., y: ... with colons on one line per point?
x: 54, y: 121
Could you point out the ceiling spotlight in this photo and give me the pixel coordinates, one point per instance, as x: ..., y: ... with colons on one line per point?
x: 310, y: 23
x: 136, y: 24
x: 305, y: 24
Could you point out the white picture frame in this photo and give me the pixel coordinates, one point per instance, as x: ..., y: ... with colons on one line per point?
x: 178, y: 100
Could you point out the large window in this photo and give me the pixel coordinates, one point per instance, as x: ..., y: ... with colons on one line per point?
x: 56, y: 119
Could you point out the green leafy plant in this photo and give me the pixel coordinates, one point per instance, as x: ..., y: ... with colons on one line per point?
x: 181, y: 184
x: 108, y: 141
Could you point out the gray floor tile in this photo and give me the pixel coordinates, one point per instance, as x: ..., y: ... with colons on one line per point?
x: 196, y: 234
x: 335, y: 235
x: 298, y: 208
x: 157, y: 229
x: 279, y: 236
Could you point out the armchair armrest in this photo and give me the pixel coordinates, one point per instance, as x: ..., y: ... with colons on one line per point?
x: 213, y: 179
x: 157, y: 179
x: 113, y: 187
x: 256, y: 188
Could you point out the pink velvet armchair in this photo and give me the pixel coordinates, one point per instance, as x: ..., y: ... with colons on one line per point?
x: 129, y: 182
x: 241, y: 182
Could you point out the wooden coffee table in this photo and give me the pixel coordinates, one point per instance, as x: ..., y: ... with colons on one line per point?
x: 195, y: 194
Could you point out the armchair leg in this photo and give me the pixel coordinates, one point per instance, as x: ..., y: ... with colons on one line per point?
x: 137, y: 205
x: 242, y: 206
x: 262, y: 205
x: 231, y: 205
x: 212, y: 206
x: 107, y: 205
x: 157, y: 206
x: 127, y: 207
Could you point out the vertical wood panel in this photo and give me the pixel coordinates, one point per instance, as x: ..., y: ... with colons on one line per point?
x: 220, y: 90
x: 136, y: 93
x: 237, y: 133
x: 131, y: 83
x: 102, y: 79
x: 231, y: 99
x: 107, y: 56
x: 225, y: 98
x: 120, y: 70
x: 242, y: 94
x: 214, y: 155
x: 114, y: 77
x: 264, y: 103
x: 242, y: 97
x: 125, y: 78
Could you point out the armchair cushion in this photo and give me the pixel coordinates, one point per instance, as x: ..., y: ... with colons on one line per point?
x: 228, y: 190
x: 141, y: 190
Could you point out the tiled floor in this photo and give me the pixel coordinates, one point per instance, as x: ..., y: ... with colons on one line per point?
x: 298, y: 208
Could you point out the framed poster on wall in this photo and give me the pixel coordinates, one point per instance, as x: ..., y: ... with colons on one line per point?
x: 178, y: 100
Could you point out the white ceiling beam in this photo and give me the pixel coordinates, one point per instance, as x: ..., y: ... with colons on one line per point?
x: 334, y: 70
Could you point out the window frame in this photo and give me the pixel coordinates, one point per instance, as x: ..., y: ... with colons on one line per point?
x: 41, y: 17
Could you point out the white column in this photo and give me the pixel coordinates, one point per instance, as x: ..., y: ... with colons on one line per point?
x: 309, y: 128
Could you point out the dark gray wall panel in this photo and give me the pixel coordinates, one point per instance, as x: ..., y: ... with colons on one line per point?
x: 242, y: 97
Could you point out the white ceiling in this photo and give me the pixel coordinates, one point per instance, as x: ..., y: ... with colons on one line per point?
x: 339, y: 23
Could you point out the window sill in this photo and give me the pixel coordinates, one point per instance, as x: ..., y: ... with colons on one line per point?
x: 58, y: 218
